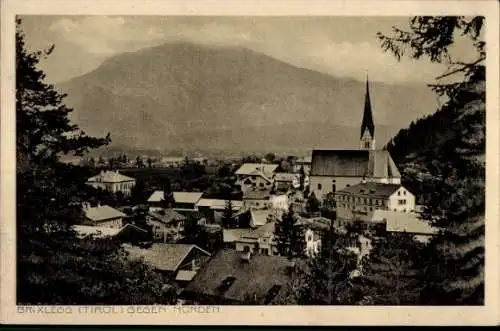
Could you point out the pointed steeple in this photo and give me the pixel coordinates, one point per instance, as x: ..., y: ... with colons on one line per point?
x: 367, y: 113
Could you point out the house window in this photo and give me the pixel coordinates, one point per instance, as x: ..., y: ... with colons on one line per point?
x: 319, y: 186
x: 399, y: 193
x: 404, y: 192
x: 246, y: 249
x: 309, y: 238
x: 264, y: 251
x: 261, y: 184
x: 402, y: 202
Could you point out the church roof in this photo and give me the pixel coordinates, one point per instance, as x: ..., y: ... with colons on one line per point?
x: 367, y: 114
x: 353, y: 163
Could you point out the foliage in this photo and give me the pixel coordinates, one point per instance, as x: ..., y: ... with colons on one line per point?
x: 289, y: 237
x: 324, y: 278
x: 227, y: 218
x: 392, y: 273
x: 66, y: 270
x: 442, y: 156
x: 53, y: 265
x: 312, y: 204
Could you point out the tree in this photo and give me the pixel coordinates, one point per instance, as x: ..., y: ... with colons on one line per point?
x: 302, y: 177
x: 270, y: 157
x: 53, y: 265
x: 139, y: 162
x: 289, y: 237
x: 324, y: 279
x: 168, y: 195
x: 312, y: 204
x: 452, y: 165
x: 392, y: 273
x: 227, y: 218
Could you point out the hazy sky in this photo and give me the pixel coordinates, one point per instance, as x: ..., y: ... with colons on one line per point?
x: 340, y: 46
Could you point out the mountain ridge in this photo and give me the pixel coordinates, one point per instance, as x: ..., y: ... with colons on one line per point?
x: 168, y: 95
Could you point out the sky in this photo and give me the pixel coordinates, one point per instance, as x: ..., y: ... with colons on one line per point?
x: 339, y: 46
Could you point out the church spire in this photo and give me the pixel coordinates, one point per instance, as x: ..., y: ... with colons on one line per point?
x: 367, y: 126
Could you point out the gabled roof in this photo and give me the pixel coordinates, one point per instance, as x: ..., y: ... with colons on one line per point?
x: 403, y: 222
x: 250, y: 168
x: 156, y: 196
x: 102, y: 213
x: 187, y: 197
x: 232, y: 235
x: 103, y: 232
x: 371, y: 189
x: 353, y: 163
x: 257, y: 277
x: 110, y: 177
x: 285, y: 177
x: 219, y: 203
x: 263, y: 231
x: 260, y: 216
x: 179, y: 197
x: 167, y: 257
x: 168, y: 216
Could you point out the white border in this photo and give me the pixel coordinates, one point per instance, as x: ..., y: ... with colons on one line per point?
x: 273, y: 315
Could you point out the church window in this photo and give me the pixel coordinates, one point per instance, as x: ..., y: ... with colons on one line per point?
x: 319, y: 186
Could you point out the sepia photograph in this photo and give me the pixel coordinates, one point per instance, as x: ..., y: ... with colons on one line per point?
x: 250, y: 160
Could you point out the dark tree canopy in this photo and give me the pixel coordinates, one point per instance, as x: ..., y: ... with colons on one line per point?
x: 442, y: 157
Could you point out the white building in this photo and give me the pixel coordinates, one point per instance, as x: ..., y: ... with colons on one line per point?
x: 361, y: 200
x: 255, y: 176
x: 112, y: 181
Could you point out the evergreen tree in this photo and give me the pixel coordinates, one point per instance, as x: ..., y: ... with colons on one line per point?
x: 312, y: 204
x: 53, y: 265
x: 168, y: 195
x: 324, y: 279
x: 289, y: 237
x: 451, y: 166
x: 227, y: 218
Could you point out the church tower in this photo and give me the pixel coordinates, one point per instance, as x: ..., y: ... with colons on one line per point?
x: 367, y: 138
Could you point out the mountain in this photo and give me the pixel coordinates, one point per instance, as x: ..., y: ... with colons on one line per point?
x: 184, y: 95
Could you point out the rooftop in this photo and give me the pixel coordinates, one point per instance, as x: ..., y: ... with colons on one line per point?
x: 103, y: 232
x: 167, y: 216
x: 371, y: 189
x: 219, y: 203
x: 232, y: 235
x: 226, y: 276
x: 260, y: 216
x: 250, y: 168
x: 110, y: 177
x: 102, y: 213
x: 403, y: 222
x: 263, y: 231
x: 353, y: 163
x: 167, y: 257
x: 179, y: 197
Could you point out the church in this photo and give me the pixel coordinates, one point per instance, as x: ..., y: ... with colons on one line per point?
x: 336, y: 169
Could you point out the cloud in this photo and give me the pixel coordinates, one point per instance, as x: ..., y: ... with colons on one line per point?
x: 105, y: 35
x: 312, y: 46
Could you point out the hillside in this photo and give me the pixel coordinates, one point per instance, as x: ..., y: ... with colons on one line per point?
x: 182, y: 95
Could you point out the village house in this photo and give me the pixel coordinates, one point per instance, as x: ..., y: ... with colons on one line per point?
x: 258, y: 241
x: 312, y: 228
x: 257, y: 198
x: 112, y: 181
x: 361, y: 200
x: 255, y: 175
x: 172, y: 161
x: 128, y: 233
x: 167, y: 225
x: 231, y: 277
x: 398, y: 222
x: 335, y: 169
x: 183, y: 201
x: 304, y: 162
x: 286, y: 180
x: 213, y: 209
x: 178, y: 262
x: 103, y: 216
